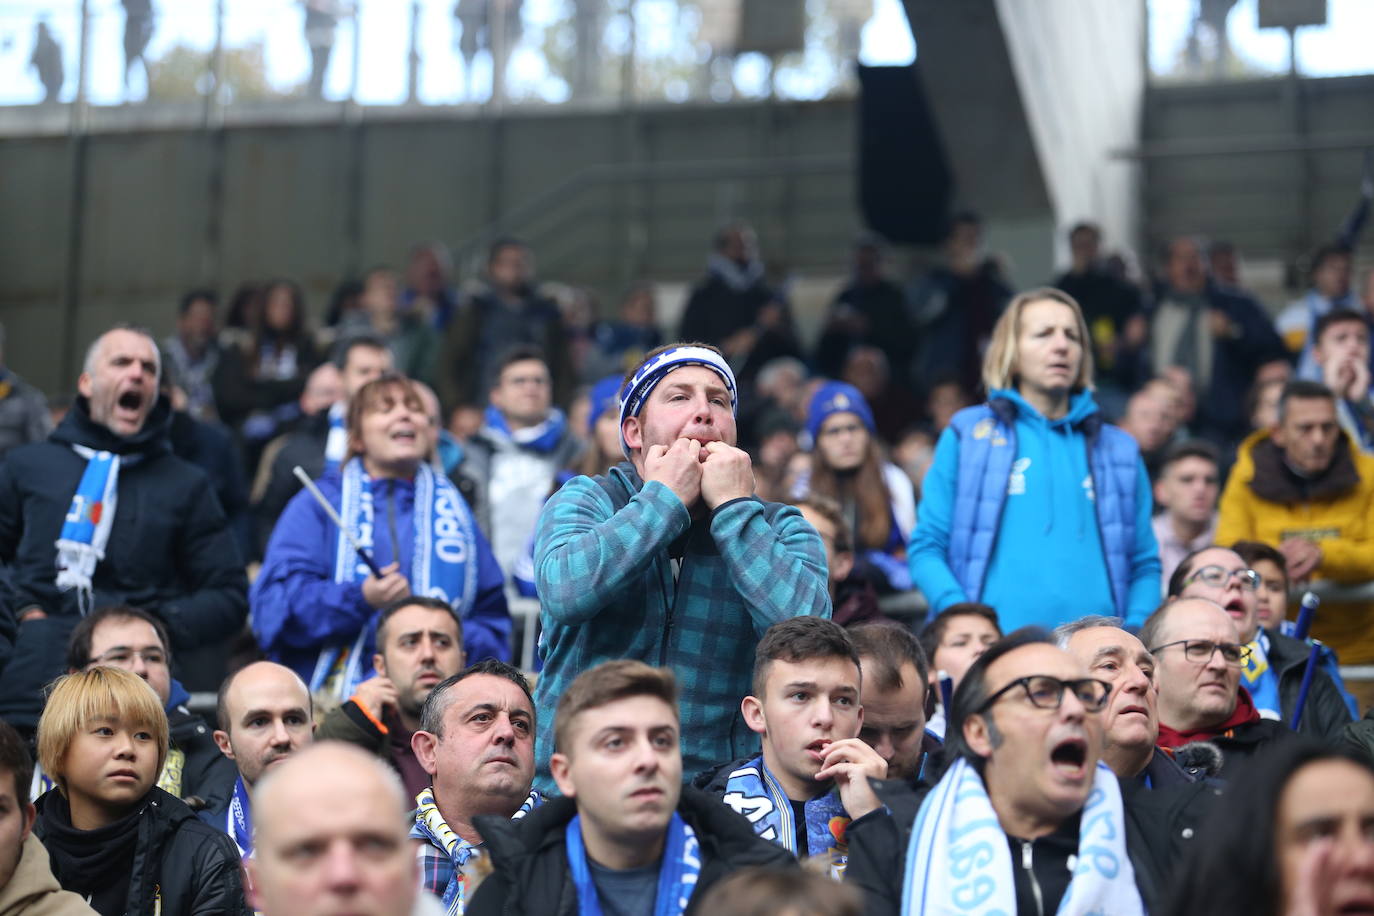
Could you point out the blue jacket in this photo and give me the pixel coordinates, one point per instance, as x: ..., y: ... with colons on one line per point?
x: 1076, y: 541
x: 606, y: 588
x: 298, y: 608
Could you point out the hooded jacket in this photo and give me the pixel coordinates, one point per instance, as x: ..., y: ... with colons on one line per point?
x: 298, y: 608
x: 530, y: 859
x: 179, y: 865
x: 170, y: 551
x: 1265, y: 500
x: 1067, y: 501
x: 33, y: 891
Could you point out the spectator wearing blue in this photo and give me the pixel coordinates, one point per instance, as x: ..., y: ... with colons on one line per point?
x: 670, y: 556
x: 1033, y: 503
x: 874, y: 495
x: 315, y: 601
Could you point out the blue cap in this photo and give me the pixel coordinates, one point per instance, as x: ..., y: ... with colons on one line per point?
x: 833, y: 398
x: 603, y: 397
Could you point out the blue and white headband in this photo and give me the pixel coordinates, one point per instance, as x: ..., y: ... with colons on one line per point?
x: 646, y: 378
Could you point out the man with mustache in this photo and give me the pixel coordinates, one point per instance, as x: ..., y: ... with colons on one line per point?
x: 102, y: 513
x: 1027, y: 818
x: 419, y: 644
x: 627, y: 836
x: 671, y: 557
x: 265, y: 716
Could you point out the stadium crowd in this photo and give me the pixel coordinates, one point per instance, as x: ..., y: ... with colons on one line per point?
x: 988, y: 602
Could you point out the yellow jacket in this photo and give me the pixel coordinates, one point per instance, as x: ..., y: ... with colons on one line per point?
x: 1336, y: 515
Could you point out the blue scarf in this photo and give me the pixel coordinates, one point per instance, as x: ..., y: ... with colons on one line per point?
x: 543, y: 438
x: 753, y: 790
x: 86, y: 527
x: 1261, y: 679
x: 240, y: 819
x: 677, y: 876
x: 336, y: 443
x: 443, y: 562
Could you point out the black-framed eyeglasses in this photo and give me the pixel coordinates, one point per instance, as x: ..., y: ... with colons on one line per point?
x: 1219, y: 576
x: 1200, y: 651
x: 1046, y: 692
x: 122, y: 657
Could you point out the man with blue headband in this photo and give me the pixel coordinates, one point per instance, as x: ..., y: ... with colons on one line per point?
x: 670, y: 558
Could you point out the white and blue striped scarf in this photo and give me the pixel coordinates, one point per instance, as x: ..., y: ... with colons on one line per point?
x: 959, y: 861
x: 86, y: 526
x: 443, y: 562
x: 753, y: 790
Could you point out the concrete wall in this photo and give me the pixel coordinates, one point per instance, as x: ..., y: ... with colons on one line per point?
x: 1031, y: 97
x: 1271, y: 165
x: 634, y: 194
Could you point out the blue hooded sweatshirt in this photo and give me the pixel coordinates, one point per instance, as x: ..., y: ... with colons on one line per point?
x: 1047, y: 564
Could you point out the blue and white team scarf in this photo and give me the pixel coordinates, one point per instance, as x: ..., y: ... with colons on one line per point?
x: 1259, y: 678
x: 336, y: 443
x: 677, y: 876
x: 86, y: 527
x: 430, y: 826
x: 753, y: 790
x: 646, y: 378
x: 239, y: 819
x: 959, y: 861
x: 543, y: 437
x: 443, y: 562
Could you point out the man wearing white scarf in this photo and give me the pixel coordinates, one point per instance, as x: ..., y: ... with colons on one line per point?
x: 1026, y: 819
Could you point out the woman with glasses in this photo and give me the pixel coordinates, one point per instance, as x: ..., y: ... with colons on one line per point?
x: 1297, y: 840
x: 876, y: 497
x: 1033, y: 504
x: 1273, y: 670
x: 113, y: 836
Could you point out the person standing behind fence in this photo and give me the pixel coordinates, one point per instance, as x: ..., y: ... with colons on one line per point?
x: 1033, y: 503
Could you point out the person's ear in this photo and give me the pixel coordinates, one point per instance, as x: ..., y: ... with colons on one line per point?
x: 30, y: 814
x: 222, y: 742
x: 752, y: 708
x: 252, y: 881
x: 425, y: 746
x: 379, y: 664
x: 977, y: 736
x: 83, y: 384
x: 560, y: 767
x: 841, y: 565
x: 633, y: 432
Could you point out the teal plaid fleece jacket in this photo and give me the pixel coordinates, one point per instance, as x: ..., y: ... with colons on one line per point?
x: 603, y: 570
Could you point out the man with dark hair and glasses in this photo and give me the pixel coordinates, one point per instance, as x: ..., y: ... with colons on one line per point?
x: 1271, y: 672
x: 1199, y: 656
x: 126, y: 637
x: 1024, y: 792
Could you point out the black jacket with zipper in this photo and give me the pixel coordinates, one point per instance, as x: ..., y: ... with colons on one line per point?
x: 180, y: 865
x: 530, y: 860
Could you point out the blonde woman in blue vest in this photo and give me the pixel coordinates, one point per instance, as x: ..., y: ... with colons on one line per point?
x: 1033, y: 503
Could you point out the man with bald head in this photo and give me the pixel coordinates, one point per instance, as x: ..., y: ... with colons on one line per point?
x: 265, y: 716
x: 1198, y: 656
x: 331, y: 838
x: 103, y: 513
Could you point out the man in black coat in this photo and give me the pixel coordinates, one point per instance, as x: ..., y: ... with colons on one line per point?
x: 1024, y: 736
x: 143, y: 528
x: 626, y: 830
